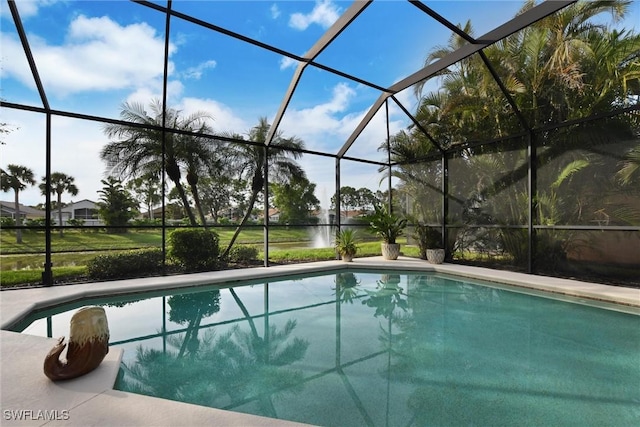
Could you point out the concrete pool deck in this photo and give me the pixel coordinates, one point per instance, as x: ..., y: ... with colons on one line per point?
x: 28, y: 398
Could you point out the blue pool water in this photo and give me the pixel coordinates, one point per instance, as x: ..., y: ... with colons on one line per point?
x: 378, y: 349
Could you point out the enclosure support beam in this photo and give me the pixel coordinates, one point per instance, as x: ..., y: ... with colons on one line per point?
x: 165, y: 80
x: 28, y: 53
x: 386, y: 109
x: 418, y: 125
x: 532, y: 206
x: 266, y: 206
x: 338, y: 206
x: 330, y: 35
x: 47, y: 274
x: 445, y: 202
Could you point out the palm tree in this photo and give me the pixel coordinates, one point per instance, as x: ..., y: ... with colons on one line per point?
x: 16, y: 178
x: 60, y: 183
x: 200, y: 157
x: 251, y: 159
x: 143, y: 147
x: 570, y: 65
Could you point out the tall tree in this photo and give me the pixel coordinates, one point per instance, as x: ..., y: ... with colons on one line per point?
x: 147, y: 191
x: 295, y: 199
x: 349, y: 199
x: 217, y: 193
x: 203, y: 156
x: 143, y: 147
x: 60, y: 183
x: 117, y: 206
x: 253, y: 161
x: 16, y: 178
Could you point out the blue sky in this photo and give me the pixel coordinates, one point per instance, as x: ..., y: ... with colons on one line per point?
x: 94, y: 55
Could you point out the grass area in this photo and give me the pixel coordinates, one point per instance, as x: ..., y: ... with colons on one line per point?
x: 22, y: 269
x: 34, y: 241
x: 76, y: 240
x: 23, y: 263
x: 365, y: 249
x: 24, y: 277
x: 36, y: 261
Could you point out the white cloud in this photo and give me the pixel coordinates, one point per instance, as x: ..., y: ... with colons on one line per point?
x: 27, y: 8
x: 286, y: 62
x: 326, y: 127
x: 76, y: 152
x: 98, y: 54
x: 324, y: 13
x: 196, y: 72
x: 375, y: 133
x: 224, y: 118
x: 321, y: 123
x: 275, y: 11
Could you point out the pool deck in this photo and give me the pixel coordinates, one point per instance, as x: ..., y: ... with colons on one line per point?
x: 28, y: 398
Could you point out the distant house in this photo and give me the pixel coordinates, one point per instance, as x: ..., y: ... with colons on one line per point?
x: 174, y: 211
x: 7, y: 209
x: 329, y: 216
x: 85, y: 210
x: 274, y: 215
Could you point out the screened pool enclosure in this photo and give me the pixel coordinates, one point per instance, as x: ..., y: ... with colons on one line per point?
x: 512, y: 128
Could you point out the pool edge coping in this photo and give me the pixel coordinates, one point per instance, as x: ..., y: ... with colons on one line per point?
x: 45, y: 297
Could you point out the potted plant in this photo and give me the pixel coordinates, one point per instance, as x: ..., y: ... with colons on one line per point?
x: 345, y: 244
x: 430, y: 243
x: 388, y: 226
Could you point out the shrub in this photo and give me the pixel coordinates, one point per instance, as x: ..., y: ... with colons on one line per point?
x: 36, y: 222
x: 7, y: 221
x: 194, y: 250
x: 78, y: 222
x: 427, y: 238
x: 243, y: 254
x: 134, y: 263
x: 147, y: 221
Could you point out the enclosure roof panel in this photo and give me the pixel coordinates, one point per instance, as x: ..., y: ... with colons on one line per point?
x: 318, y: 70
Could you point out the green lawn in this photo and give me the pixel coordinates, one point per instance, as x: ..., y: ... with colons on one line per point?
x: 75, y: 240
x: 22, y: 263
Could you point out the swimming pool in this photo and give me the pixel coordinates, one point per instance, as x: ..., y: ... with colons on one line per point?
x: 378, y: 348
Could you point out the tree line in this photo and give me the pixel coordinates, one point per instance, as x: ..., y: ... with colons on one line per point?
x: 565, y: 68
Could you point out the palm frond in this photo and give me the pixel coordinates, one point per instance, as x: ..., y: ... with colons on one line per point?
x: 630, y: 166
x: 569, y: 170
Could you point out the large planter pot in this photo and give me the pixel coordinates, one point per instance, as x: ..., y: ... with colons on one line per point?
x: 390, y: 251
x: 435, y: 256
x: 347, y: 257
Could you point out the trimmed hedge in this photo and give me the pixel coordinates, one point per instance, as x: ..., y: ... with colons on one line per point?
x: 243, y: 254
x: 140, y: 262
x: 194, y: 250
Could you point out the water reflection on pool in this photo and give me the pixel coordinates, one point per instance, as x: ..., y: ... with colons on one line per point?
x: 378, y: 348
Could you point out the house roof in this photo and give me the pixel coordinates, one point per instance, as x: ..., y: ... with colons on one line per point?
x: 27, y: 210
